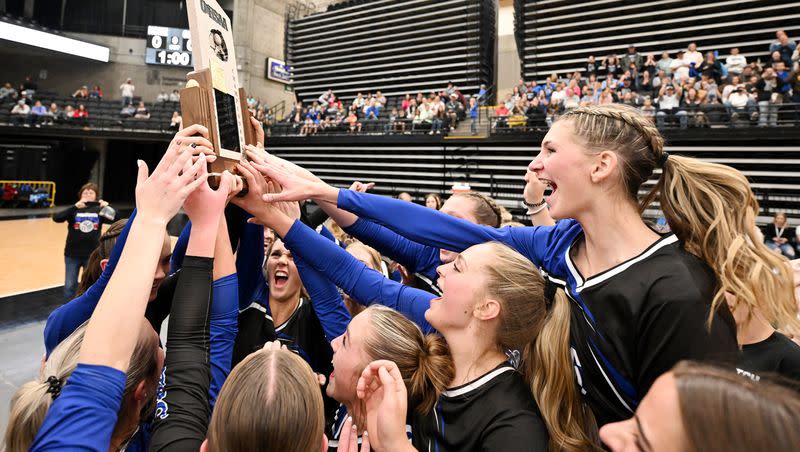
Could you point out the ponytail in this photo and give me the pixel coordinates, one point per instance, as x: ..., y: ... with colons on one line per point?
x: 433, y: 375
x: 711, y: 209
x: 423, y: 361
x: 549, y: 370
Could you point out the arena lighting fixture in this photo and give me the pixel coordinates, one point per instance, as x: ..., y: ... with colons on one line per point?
x: 50, y: 41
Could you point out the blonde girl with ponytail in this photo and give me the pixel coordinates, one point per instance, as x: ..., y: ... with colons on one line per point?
x: 638, y: 302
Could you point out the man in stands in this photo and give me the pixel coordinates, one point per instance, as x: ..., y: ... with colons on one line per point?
x: 175, y: 96
x: 735, y: 62
x: 20, y: 112
x: 38, y: 113
x: 669, y: 102
x: 128, y: 111
x: 30, y: 86
x: 632, y: 57
x: 784, y: 46
x: 127, y: 90
x: 7, y: 91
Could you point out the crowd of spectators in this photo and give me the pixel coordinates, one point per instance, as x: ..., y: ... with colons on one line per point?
x: 685, y: 89
x: 30, y: 108
x: 437, y: 113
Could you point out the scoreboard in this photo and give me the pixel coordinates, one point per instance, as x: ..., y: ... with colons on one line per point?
x: 168, y: 46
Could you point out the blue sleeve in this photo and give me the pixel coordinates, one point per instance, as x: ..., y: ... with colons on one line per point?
x: 362, y: 283
x: 325, y: 299
x: 176, y: 261
x: 325, y: 232
x: 249, y: 264
x: 68, y: 317
x: 223, y: 329
x: 84, y: 415
x: 415, y: 257
x: 434, y: 228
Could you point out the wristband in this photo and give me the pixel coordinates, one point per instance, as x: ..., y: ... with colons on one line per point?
x: 532, y: 211
x: 532, y: 206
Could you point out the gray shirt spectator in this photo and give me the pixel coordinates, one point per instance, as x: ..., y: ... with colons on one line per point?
x: 664, y: 63
x: 735, y: 62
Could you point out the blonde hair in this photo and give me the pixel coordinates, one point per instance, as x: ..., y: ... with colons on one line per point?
x: 32, y: 400
x: 543, y: 339
x: 424, y: 361
x: 374, y: 255
x: 709, y: 207
x: 271, y: 399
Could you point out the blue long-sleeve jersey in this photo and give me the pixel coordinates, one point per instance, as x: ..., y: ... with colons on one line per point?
x: 415, y: 257
x: 630, y: 323
x: 362, y: 283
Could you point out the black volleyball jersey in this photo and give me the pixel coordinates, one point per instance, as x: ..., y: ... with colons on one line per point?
x: 495, y: 412
x: 775, y: 355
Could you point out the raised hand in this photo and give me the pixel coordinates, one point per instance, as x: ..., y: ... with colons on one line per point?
x: 361, y: 187
x: 268, y: 214
x: 205, y: 205
x: 534, y: 188
x: 382, y: 389
x: 261, y: 156
x: 161, y: 194
x: 295, y: 188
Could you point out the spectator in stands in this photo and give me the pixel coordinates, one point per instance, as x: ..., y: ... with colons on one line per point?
x: 433, y: 201
x: 692, y: 55
x: 81, y: 93
x: 162, y: 97
x: 128, y: 111
x: 591, y: 66
x: 589, y: 97
x: 175, y: 96
x: 784, y: 46
x: 81, y: 115
x: 768, y: 89
x: 403, y: 196
x: 127, y: 91
x: 371, y: 111
x: 69, y: 113
x: 473, y: 115
x: 648, y: 109
x: 735, y: 62
x: 438, y: 116
x: 632, y: 57
x: 501, y: 114
x: 679, y: 67
x: 611, y: 66
x: 175, y: 123
x: 53, y: 114
x: 96, y: 92
x: 352, y: 120
x: 411, y: 111
x: 325, y: 97
x: 142, y: 112
x: 482, y: 94
x: 606, y: 97
x: 24, y: 96
x: 380, y: 98
x: 359, y: 101
x: 610, y: 82
x: 38, y: 112
x: 775, y: 58
x: 650, y: 65
x: 738, y: 103
x: 664, y: 64
x: 312, y: 120
x: 454, y: 110
x: 669, y: 105
x: 20, y: 112
x: 779, y: 236
x: 644, y: 85
x: 693, y: 104
x: 31, y: 87
x: 406, y: 102
x: 711, y: 67
x: 7, y: 92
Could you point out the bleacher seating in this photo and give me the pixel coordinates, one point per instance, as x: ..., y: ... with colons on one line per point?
x: 395, y: 46
x: 498, y: 169
x: 558, y: 35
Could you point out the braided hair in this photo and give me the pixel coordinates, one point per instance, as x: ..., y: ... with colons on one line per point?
x: 487, y: 211
x: 710, y: 208
x: 103, y: 251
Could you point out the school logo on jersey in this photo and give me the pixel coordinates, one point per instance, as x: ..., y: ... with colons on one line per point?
x: 162, y: 409
x: 87, y: 222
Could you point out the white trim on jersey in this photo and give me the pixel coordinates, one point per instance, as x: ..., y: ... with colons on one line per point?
x: 283, y: 325
x: 581, y: 284
x: 477, y: 383
x: 258, y: 306
x: 611, y: 385
x: 434, y: 287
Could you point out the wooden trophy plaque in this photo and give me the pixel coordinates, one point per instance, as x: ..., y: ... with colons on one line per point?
x: 213, y: 97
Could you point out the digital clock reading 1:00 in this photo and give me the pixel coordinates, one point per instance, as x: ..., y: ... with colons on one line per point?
x: 168, y: 46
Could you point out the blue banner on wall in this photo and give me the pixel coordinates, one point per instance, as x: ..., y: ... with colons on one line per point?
x: 278, y: 70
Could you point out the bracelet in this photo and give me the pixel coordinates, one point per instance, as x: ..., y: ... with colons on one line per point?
x: 532, y: 212
x: 540, y: 203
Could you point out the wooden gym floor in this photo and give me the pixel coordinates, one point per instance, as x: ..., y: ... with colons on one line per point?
x: 31, y: 255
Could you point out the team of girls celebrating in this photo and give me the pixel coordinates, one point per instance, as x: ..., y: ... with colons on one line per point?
x: 585, y: 331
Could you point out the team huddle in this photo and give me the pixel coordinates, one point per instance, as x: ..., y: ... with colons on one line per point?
x: 585, y: 331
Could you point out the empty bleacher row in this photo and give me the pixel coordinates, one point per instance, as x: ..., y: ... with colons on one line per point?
x: 104, y: 114
x: 498, y: 170
x: 395, y: 46
x: 556, y: 36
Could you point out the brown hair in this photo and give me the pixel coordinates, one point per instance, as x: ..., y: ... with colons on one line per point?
x: 89, y: 186
x: 725, y: 412
x: 375, y: 256
x: 436, y: 197
x: 543, y: 339
x: 103, y: 251
x: 271, y: 399
x: 709, y: 207
x: 32, y: 400
x: 423, y: 360
x: 487, y: 212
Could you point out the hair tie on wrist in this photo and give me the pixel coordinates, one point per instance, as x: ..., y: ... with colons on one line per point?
x: 663, y: 160
x: 54, y: 387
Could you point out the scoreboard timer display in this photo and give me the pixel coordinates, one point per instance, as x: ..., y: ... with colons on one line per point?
x: 168, y: 46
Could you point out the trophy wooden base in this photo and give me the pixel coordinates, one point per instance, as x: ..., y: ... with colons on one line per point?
x: 198, y: 107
